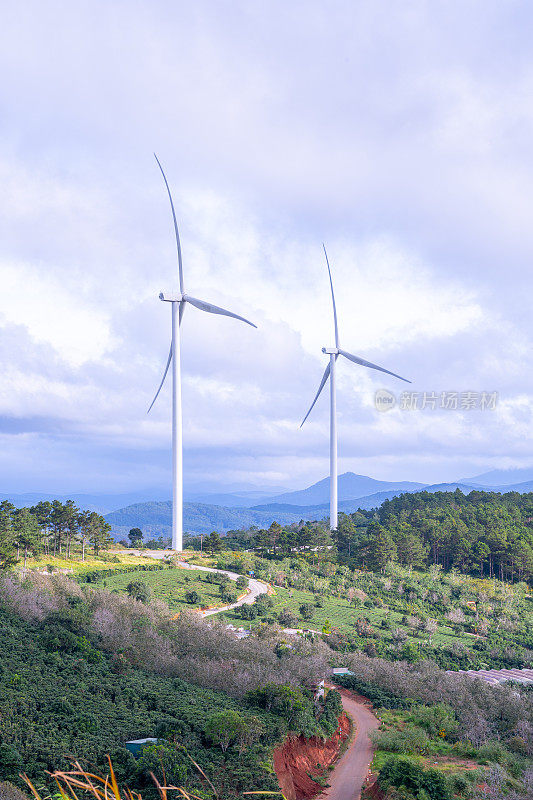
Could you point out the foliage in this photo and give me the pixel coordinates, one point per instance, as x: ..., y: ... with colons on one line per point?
x: 381, y: 698
x: 458, y: 621
x: 402, y: 772
x: 74, y: 782
x: 484, y: 533
x: 60, y: 694
x: 178, y: 587
x: 49, y: 528
x: 139, y: 590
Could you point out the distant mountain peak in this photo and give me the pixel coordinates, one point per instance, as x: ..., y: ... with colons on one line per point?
x: 350, y: 487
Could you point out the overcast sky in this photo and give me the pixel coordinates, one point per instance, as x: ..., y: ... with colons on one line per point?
x: 400, y: 134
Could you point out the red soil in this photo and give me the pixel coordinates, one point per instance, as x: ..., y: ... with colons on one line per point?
x: 298, y: 758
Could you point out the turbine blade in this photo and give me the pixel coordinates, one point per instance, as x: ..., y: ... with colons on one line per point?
x: 162, y: 379
x: 333, y: 299
x: 325, y: 376
x: 181, y: 312
x: 363, y: 363
x: 180, y: 266
x: 211, y: 309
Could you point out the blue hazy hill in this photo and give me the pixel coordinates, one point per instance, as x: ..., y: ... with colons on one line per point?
x: 350, y: 487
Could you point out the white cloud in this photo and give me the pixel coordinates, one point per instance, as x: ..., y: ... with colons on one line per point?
x: 33, y: 297
x: 401, y: 138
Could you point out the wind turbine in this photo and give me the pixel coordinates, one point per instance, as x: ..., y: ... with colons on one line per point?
x: 178, y: 303
x: 334, y: 353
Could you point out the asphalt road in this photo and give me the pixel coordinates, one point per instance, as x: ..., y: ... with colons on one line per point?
x: 348, y: 777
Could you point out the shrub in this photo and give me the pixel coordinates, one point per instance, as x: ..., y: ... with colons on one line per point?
x: 139, y: 591
x: 10, y: 762
x: 193, y: 597
x: 409, y: 740
x: 437, y: 720
x: 230, y: 727
x: 289, y: 703
x: 227, y: 596
x: 288, y: 618
x: 8, y: 791
x: 307, y: 611
x: 403, y: 773
x: 247, y: 611
x: 263, y: 603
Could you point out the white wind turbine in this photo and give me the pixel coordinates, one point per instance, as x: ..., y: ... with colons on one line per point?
x: 178, y: 303
x: 334, y: 353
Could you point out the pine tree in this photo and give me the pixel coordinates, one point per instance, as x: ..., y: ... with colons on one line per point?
x: 381, y: 548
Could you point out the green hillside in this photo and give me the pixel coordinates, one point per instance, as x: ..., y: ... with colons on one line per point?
x: 83, y: 671
x: 155, y: 518
x: 63, y: 697
x: 172, y: 585
x: 458, y: 621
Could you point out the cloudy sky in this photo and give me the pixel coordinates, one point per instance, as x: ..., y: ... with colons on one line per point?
x: 400, y: 134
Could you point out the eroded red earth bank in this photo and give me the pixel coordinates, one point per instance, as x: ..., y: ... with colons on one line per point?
x: 297, y: 759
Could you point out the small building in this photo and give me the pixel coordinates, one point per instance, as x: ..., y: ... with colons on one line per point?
x: 135, y: 746
x: 336, y: 671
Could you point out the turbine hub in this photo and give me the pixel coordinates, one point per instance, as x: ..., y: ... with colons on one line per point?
x: 177, y: 299
x: 330, y: 351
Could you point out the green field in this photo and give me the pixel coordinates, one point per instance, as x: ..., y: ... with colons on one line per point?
x: 341, y: 614
x: 170, y: 585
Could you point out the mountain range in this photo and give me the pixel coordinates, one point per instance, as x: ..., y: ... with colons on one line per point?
x: 312, y: 503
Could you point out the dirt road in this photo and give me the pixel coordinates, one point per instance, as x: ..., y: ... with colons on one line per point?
x: 348, y: 777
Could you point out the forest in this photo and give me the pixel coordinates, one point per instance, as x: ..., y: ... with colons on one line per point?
x: 483, y: 533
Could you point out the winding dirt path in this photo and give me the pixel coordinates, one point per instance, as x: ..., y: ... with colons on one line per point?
x: 348, y: 777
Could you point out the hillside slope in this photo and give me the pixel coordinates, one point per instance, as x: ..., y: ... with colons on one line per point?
x: 154, y: 519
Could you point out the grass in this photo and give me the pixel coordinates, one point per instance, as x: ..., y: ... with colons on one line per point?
x: 341, y: 614
x: 92, y: 563
x: 106, y: 787
x: 171, y: 585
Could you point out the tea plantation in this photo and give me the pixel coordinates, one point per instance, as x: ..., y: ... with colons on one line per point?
x: 172, y: 585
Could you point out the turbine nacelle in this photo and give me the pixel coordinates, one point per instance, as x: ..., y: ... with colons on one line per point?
x: 176, y: 299
x: 334, y: 354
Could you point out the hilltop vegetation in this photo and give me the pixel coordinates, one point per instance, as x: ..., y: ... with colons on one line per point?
x: 50, y: 529
x: 481, y: 533
x: 484, y: 533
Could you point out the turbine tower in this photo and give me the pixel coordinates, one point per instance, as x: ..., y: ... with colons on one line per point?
x: 177, y: 303
x: 334, y: 353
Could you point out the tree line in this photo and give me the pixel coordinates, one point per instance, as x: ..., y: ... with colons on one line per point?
x: 49, y: 528
x: 486, y: 534
x: 482, y: 533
